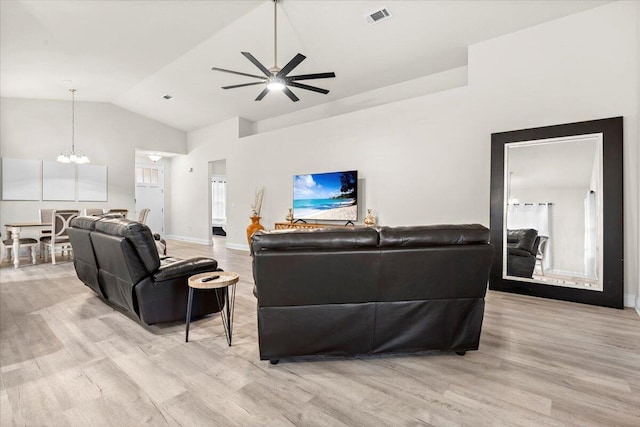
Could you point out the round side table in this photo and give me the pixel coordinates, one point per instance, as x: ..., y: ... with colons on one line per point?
x: 224, y: 279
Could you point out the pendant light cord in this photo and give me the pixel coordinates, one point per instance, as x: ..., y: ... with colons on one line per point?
x: 73, y: 120
x: 275, y: 33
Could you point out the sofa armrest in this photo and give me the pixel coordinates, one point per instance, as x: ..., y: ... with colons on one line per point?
x: 185, y: 267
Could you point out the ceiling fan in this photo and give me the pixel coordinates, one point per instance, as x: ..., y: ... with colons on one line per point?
x: 275, y: 77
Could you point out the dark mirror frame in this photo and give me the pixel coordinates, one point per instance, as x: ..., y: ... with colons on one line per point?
x: 612, y: 294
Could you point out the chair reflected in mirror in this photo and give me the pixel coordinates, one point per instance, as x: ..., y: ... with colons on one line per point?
x: 542, y: 248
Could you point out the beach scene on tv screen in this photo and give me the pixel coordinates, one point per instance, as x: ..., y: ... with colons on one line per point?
x: 326, y: 196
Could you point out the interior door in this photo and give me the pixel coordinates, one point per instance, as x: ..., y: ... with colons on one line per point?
x: 150, y: 194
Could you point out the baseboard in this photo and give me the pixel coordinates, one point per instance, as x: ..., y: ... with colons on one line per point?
x: 205, y: 242
x: 237, y: 246
x: 564, y: 272
x: 630, y: 300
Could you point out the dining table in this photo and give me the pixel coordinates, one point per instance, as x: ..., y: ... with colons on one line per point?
x: 15, y: 228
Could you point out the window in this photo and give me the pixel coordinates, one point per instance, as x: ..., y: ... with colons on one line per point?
x: 147, y: 176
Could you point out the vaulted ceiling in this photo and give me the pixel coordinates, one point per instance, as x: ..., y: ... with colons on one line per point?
x: 131, y: 53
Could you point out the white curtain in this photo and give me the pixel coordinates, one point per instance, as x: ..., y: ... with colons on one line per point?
x: 218, y: 200
x: 590, y: 235
x: 536, y: 216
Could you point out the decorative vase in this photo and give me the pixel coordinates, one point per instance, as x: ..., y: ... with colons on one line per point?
x: 253, y: 227
x: 289, y: 216
x: 369, y: 220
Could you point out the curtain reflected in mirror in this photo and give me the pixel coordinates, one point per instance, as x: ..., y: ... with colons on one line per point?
x: 553, y: 221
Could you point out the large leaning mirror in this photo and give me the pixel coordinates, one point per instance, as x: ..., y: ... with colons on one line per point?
x: 556, y: 212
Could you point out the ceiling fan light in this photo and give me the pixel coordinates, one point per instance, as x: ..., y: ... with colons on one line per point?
x: 63, y: 158
x: 278, y: 78
x: 275, y: 83
x: 275, y: 86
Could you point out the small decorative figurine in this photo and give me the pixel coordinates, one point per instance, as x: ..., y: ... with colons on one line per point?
x: 369, y: 220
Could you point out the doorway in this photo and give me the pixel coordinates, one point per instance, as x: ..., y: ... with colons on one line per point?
x: 150, y: 194
x: 218, y: 199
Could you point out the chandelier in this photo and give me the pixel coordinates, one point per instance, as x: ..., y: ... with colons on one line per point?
x: 73, y: 156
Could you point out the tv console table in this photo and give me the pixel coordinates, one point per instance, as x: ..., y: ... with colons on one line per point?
x: 288, y: 225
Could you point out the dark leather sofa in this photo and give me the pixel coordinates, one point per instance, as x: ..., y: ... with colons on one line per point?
x: 118, y: 259
x: 522, y: 248
x: 353, y: 291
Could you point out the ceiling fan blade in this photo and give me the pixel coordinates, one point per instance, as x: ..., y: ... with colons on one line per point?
x: 243, y: 85
x: 312, y: 76
x: 291, y: 65
x: 262, y: 94
x: 257, y: 63
x: 237, y: 72
x: 307, y: 87
x: 290, y: 94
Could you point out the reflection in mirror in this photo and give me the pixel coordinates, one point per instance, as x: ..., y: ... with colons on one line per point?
x: 553, y: 203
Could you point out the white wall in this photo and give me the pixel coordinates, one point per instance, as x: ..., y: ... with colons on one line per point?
x: 187, y: 184
x: 109, y: 135
x: 637, y: 247
x: 449, y: 79
x: 427, y: 159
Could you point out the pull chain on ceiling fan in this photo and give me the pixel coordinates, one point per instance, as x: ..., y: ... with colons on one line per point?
x: 277, y: 78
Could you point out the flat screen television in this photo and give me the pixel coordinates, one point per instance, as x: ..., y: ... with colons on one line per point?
x: 329, y: 196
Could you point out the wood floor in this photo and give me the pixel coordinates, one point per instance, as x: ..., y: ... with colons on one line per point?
x: 68, y: 359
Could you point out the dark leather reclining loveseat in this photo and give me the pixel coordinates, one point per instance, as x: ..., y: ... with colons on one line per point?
x: 349, y: 291
x: 118, y: 259
x: 522, y: 248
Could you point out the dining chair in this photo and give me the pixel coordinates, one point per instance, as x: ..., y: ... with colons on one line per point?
x: 93, y: 212
x: 45, y: 218
x: 123, y: 212
x: 58, y: 238
x: 7, y: 247
x: 143, y: 214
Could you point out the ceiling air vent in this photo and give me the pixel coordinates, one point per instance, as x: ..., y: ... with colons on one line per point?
x: 378, y: 16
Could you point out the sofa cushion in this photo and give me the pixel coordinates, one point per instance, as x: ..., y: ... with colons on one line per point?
x: 84, y: 257
x: 137, y: 234
x: 518, y: 252
x: 84, y: 222
x: 318, y: 238
x: 433, y: 235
